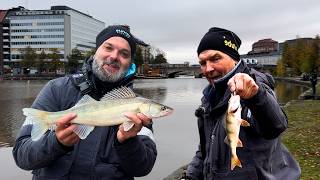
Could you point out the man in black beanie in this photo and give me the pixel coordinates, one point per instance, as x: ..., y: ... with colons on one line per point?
x: 107, y: 152
x: 226, y: 150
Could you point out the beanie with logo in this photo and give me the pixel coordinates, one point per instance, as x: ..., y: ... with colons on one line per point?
x: 222, y: 40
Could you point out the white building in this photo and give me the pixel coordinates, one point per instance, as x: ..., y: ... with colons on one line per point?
x: 60, y: 27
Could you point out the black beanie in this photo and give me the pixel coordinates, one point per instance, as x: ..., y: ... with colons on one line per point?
x: 120, y: 31
x: 221, y: 40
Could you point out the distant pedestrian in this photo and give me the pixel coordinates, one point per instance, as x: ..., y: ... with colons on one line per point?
x: 313, y: 80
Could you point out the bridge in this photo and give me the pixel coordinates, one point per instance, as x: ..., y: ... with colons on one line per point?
x: 173, y: 70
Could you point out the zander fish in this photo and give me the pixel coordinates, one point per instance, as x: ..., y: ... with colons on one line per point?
x: 90, y: 113
x: 233, y: 122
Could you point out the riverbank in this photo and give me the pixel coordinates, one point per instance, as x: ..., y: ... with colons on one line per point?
x: 301, y: 137
x: 295, y: 80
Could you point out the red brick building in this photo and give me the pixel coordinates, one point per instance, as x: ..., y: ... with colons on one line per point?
x: 264, y: 46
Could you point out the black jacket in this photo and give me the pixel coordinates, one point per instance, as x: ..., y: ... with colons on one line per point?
x: 262, y: 156
x: 99, y: 156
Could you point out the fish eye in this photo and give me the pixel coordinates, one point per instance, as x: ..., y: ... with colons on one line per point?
x: 163, y: 108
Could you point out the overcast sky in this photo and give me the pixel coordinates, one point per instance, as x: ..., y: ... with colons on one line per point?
x: 176, y: 26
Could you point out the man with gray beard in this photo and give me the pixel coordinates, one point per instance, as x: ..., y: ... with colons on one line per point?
x: 108, y: 152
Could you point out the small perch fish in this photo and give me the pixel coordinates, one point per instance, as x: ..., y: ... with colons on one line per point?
x: 233, y: 122
x: 90, y: 113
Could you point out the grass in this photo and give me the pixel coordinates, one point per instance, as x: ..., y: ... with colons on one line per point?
x: 302, y: 138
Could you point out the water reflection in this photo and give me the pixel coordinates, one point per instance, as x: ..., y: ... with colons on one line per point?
x: 287, y: 91
x: 15, y: 95
x: 155, y: 94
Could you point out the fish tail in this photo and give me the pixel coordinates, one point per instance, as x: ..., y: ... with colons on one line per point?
x: 235, y: 162
x: 38, y: 120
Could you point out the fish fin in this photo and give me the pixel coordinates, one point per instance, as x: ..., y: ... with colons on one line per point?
x: 83, y: 130
x: 239, y: 144
x: 127, y: 125
x: 235, y: 162
x: 226, y: 140
x: 119, y: 93
x: 39, y: 126
x: 244, y: 123
x: 85, y: 99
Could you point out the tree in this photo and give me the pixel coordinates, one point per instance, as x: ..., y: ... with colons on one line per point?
x: 41, y: 61
x: 281, y: 68
x: 55, y: 62
x: 301, y: 56
x: 89, y: 53
x: 138, y: 59
x: 73, y: 60
x: 29, y: 57
x: 316, y: 55
x: 160, y: 58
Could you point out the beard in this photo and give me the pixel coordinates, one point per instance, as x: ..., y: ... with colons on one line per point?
x: 106, y: 76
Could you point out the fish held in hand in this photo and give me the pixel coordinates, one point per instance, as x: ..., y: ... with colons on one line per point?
x: 232, y: 123
x: 108, y: 111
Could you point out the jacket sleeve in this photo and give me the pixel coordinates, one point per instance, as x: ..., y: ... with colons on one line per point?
x: 269, y: 119
x: 30, y: 155
x: 138, y: 154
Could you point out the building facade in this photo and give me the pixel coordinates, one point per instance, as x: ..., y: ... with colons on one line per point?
x: 264, y: 46
x: 265, y: 52
x: 61, y: 28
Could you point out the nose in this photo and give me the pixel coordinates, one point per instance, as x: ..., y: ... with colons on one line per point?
x: 208, y: 67
x: 114, y: 54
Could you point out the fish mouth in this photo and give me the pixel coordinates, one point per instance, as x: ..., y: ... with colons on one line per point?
x: 165, y: 113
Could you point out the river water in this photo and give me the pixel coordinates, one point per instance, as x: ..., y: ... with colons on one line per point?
x: 176, y: 135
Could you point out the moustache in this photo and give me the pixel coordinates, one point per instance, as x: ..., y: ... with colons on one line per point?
x: 211, y: 75
x: 114, y: 63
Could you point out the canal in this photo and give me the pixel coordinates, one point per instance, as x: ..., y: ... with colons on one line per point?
x: 176, y: 136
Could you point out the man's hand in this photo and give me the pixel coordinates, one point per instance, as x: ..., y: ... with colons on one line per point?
x: 243, y: 85
x: 64, y: 130
x: 139, y: 120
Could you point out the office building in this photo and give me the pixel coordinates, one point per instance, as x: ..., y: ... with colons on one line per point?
x: 61, y: 28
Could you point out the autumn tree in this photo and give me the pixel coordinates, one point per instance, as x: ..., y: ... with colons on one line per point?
x: 301, y: 56
x: 281, y: 68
